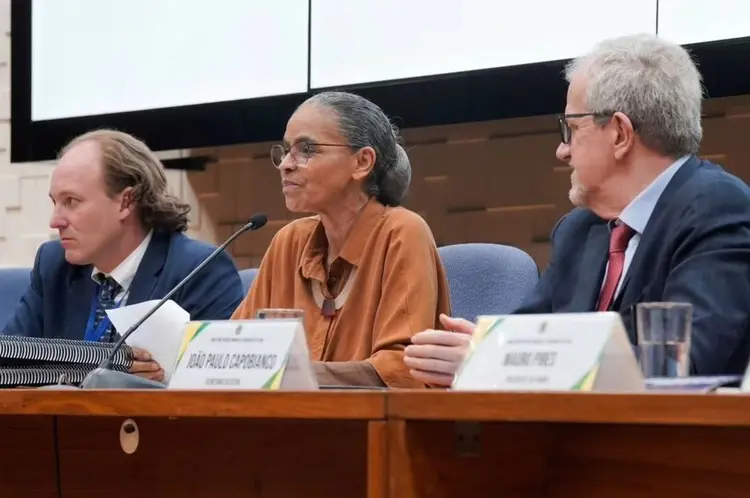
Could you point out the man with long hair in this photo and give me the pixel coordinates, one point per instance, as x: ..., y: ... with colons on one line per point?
x: 121, y: 242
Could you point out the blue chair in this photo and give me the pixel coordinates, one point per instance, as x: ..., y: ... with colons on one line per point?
x: 247, y: 277
x: 13, y: 284
x: 487, y: 279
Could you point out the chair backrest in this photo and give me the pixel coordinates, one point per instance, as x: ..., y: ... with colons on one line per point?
x: 13, y: 284
x: 247, y: 276
x: 487, y: 279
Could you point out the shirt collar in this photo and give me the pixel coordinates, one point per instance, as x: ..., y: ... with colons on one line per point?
x: 125, y: 271
x: 314, y: 253
x: 637, y: 213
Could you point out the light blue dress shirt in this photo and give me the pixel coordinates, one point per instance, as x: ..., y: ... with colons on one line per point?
x: 637, y: 213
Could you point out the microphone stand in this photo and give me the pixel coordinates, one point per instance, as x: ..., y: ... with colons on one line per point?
x: 103, y: 377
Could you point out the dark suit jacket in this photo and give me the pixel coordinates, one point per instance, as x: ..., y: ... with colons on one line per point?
x: 58, y: 300
x: 695, y: 248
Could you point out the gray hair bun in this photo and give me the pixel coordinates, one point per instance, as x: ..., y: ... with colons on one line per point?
x: 394, y: 184
x: 364, y: 124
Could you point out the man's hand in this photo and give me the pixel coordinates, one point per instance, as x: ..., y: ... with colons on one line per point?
x: 435, y: 355
x: 144, y: 366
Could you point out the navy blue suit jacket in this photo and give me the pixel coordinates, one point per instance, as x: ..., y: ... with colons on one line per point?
x: 695, y: 248
x: 58, y: 300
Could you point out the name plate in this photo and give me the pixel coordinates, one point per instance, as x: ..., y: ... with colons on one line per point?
x: 248, y: 355
x: 551, y: 352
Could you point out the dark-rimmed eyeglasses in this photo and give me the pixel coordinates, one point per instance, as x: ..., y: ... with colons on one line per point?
x: 565, y: 131
x: 301, y: 152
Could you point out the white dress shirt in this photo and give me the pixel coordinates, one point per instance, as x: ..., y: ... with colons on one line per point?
x: 125, y: 271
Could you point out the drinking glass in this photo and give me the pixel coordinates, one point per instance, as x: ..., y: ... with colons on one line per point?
x: 664, y: 331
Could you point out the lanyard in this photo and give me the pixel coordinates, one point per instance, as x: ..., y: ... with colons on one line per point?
x: 95, y: 335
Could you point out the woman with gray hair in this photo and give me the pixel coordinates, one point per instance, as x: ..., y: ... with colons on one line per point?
x: 363, y: 271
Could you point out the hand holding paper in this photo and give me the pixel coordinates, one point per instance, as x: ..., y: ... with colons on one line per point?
x: 160, y: 335
x: 145, y: 366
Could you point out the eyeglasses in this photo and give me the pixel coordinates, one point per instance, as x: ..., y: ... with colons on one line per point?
x: 301, y: 152
x: 565, y: 131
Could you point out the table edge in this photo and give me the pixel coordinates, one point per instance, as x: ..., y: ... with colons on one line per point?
x: 571, y: 407
x: 332, y: 404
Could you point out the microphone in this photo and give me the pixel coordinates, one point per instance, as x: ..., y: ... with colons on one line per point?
x: 103, y: 377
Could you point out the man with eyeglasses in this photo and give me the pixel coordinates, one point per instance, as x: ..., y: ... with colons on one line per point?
x: 652, y: 221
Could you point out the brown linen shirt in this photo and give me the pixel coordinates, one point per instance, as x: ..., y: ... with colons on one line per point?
x: 399, y: 288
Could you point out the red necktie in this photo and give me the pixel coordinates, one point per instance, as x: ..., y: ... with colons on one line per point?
x: 618, y: 243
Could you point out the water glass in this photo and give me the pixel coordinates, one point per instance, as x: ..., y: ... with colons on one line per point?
x: 664, y: 331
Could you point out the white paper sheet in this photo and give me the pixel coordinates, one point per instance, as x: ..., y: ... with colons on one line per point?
x: 160, y: 335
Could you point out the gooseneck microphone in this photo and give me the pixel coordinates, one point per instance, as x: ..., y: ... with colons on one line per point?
x: 103, y: 377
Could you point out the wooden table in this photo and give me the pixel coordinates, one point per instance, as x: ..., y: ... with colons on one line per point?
x: 575, y: 445
x: 358, y: 444
x: 217, y: 444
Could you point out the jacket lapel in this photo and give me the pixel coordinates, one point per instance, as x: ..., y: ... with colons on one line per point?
x: 151, y: 265
x: 80, y: 296
x: 591, y: 268
x: 635, y: 280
